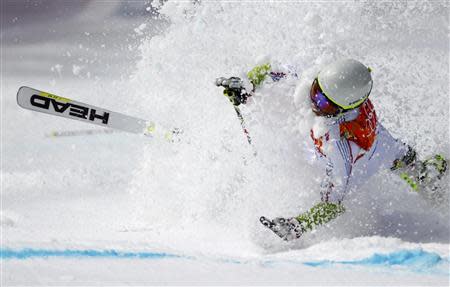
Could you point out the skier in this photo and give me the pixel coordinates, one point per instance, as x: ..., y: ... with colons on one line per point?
x: 354, y: 145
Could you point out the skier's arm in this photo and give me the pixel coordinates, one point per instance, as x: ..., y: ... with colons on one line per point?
x: 235, y: 89
x: 258, y: 74
x: 319, y: 214
x: 332, y: 189
x: 294, y: 227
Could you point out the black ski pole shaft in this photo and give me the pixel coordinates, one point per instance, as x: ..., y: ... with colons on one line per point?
x: 244, y: 128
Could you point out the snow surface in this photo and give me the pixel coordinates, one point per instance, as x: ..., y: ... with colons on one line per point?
x: 121, y: 209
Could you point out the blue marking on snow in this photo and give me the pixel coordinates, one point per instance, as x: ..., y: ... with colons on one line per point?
x: 416, y: 260
x: 27, y: 253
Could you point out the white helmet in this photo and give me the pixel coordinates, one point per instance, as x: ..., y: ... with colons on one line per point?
x: 346, y: 83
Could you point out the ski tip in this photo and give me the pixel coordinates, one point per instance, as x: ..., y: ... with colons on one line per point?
x: 19, y: 92
x: 23, y: 88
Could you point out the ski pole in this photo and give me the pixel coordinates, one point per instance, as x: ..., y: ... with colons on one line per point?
x: 234, y: 85
x: 244, y: 128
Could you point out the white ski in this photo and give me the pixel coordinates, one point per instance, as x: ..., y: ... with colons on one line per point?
x: 39, y: 101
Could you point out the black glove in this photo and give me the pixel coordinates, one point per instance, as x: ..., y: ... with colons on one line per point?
x: 234, y: 90
x: 286, y: 228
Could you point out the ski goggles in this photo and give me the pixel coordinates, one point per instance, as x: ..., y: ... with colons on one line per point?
x: 320, y: 104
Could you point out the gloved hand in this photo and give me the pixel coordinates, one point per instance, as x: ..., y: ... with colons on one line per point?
x: 286, y: 228
x: 293, y: 227
x: 234, y: 90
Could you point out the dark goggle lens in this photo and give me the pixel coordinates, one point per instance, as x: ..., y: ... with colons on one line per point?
x: 320, y: 103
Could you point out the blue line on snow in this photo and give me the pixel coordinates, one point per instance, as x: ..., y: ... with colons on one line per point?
x: 44, y: 253
x: 417, y: 260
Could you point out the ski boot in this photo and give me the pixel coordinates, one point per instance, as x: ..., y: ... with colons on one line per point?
x: 286, y: 228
